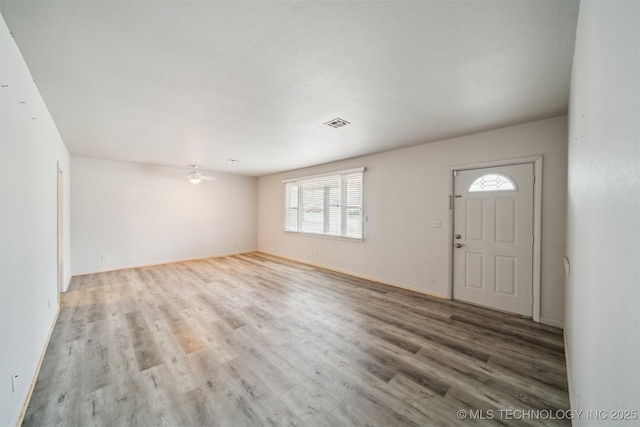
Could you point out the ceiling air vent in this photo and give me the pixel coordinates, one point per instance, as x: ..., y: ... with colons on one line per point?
x: 337, y: 123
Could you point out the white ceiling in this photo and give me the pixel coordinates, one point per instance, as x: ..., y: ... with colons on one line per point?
x: 200, y: 82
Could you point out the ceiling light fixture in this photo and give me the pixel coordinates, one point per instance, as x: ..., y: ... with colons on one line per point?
x: 194, y: 176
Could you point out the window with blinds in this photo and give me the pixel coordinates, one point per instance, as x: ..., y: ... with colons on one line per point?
x: 325, y: 204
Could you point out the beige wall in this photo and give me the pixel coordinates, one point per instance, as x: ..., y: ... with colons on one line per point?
x: 137, y: 214
x: 603, y: 216
x: 405, y: 190
x: 30, y: 150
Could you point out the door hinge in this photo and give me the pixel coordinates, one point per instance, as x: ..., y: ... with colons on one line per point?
x: 455, y: 173
x: 456, y: 196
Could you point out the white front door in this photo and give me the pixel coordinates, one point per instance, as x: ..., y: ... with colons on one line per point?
x: 493, y: 238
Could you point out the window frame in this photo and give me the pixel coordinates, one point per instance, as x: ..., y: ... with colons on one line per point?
x: 342, y: 177
x: 507, y: 179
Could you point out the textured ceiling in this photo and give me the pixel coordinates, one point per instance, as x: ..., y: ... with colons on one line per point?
x: 200, y: 82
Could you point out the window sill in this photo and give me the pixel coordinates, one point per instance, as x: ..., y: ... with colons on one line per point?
x: 326, y: 236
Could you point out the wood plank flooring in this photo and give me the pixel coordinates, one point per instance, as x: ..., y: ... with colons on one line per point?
x: 254, y: 340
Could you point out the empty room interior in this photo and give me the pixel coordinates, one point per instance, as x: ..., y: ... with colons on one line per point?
x: 338, y: 213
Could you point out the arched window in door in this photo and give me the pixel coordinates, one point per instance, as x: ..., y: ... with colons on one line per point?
x: 492, y: 182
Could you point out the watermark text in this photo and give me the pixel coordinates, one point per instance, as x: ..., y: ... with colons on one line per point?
x: 549, y: 414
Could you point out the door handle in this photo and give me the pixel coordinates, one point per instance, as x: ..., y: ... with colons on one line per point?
x: 457, y: 236
x: 459, y: 245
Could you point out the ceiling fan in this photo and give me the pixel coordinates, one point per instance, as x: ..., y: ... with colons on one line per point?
x: 196, y: 177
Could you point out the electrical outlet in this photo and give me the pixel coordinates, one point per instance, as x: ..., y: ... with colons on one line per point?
x: 435, y: 224
x: 103, y: 257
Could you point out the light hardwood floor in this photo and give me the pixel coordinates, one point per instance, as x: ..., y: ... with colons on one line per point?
x: 252, y: 340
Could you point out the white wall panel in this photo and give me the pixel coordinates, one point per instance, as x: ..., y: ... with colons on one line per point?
x: 128, y: 214
x: 30, y: 150
x: 405, y: 190
x: 603, y: 233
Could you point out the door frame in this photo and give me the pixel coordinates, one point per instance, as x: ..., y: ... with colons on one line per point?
x: 537, y: 219
x: 60, y: 229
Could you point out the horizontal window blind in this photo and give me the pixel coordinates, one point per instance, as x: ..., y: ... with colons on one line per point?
x: 326, y: 204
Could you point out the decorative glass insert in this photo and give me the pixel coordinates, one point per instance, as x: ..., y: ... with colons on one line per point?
x: 492, y: 182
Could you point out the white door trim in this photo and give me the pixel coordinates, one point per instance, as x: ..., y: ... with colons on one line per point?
x: 61, y: 231
x: 537, y: 220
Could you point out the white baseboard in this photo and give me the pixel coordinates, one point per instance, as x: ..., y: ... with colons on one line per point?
x: 152, y: 264
x: 357, y: 275
x: 551, y: 322
x: 572, y: 404
x: 35, y: 376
